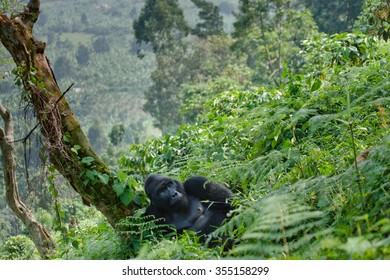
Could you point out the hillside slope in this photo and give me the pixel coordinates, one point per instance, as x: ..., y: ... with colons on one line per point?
x: 308, y: 161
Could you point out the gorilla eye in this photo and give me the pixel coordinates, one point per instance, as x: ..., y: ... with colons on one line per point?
x: 162, y: 189
x: 168, y: 183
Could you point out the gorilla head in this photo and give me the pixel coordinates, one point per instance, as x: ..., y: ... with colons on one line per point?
x: 166, y: 193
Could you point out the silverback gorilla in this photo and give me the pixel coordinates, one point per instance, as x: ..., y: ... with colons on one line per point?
x: 197, y: 204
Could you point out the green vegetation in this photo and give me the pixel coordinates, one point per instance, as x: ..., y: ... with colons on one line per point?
x: 289, y: 154
x: 335, y: 16
x: 18, y: 247
x: 295, y: 122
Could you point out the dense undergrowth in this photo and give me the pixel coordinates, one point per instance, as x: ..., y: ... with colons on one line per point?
x: 308, y: 162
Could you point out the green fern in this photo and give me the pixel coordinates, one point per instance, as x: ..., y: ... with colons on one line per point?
x: 138, y: 230
x: 282, y: 225
x: 187, y: 246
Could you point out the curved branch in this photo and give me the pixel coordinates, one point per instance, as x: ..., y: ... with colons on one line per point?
x: 33, y: 6
x: 39, y: 235
x: 30, y: 15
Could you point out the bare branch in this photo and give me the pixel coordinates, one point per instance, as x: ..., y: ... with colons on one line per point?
x: 34, y: 5
x: 6, y: 115
x: 40, y: 236
x: 3, y: 110
x: 30, y: 15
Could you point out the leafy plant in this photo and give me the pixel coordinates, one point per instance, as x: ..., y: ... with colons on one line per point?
x: 11, y: 6
x: 138, y: 231
x: 18, y: 247
x: 374, y: 19
x: 184, y: 247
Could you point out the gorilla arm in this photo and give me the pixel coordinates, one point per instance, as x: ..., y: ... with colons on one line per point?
x: 153, y: 211
x: 202, y: 188
x: 214, y: 199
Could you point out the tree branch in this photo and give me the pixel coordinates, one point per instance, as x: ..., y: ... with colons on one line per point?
x: 6, y: 115
x: 39, y: 235
x: 30, y: 15
x: 33, y: 6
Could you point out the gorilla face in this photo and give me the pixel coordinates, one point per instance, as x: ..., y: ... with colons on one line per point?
x: 165, y: 193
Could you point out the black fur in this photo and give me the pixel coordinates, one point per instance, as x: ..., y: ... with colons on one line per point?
x: 197, y: 205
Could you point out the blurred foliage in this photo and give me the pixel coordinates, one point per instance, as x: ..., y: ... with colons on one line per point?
x: 116, y: 134
x: 375, y: 18
x: 18, y: 247
x: 270, y: 34
x: 211, y: 20
x: 334, y: 16
x: 11, y: 6
x: 161, y: 24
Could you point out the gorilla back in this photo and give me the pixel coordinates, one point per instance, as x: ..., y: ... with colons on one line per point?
x: 197, y: 205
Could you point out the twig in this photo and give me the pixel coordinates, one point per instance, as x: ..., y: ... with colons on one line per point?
x: 24, y: 139
x: 65, y: 92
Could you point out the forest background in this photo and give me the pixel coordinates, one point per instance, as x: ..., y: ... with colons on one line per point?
x: 273, y: 98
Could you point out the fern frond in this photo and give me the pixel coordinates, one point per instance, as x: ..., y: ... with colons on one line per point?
x: 282, y: 225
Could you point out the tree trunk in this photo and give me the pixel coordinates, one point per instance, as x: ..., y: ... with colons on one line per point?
x: 66, y: 143
x: 40, y: 236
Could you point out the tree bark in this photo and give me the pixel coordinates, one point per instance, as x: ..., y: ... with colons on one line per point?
x: 39, y: 235
x: 57, y: 122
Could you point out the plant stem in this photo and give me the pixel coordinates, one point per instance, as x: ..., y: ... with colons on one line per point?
x: 354, y: 148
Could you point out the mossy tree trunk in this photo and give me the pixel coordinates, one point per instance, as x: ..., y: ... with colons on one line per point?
x: 56, y: 119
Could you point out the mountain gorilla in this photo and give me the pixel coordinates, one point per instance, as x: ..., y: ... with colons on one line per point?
x: 197, y: 205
